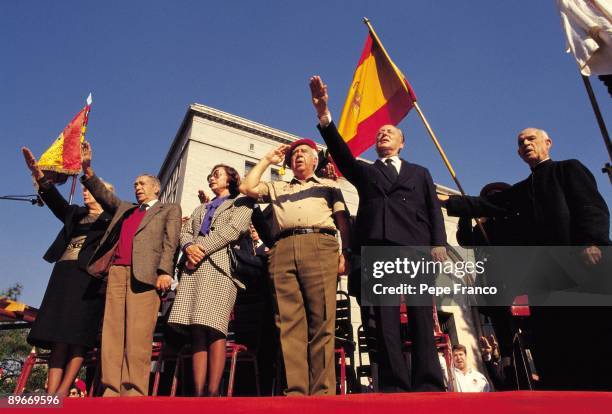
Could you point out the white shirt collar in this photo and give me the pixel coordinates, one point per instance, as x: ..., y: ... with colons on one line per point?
x: 395, y: 161
x: 395, y: 158
x: 544, y: 160
x: 150, y: 204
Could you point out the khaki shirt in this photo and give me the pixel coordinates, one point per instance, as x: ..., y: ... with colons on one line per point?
x: 309, y: 203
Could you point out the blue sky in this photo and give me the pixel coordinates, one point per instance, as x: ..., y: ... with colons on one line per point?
x: 482, y: 71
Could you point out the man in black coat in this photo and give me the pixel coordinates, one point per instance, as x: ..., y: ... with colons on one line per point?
x: 559, y: 202
x: 557, y: 205
x: 397, y: 207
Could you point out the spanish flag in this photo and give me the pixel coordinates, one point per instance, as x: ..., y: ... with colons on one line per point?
x: 379, y: 95
x: 63, y: 158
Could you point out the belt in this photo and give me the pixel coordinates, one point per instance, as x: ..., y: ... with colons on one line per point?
x: 305, y: 230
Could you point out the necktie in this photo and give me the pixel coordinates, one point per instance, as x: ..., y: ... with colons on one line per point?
x: 391, y: 168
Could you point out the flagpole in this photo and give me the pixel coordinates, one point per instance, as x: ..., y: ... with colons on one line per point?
x: 438, y: 147
x: 447, y: 163
x: 83, y: 130
x: 607, y: 169
x: 395, y: 68
x: 72, y: 189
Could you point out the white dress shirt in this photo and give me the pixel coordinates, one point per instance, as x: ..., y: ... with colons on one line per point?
x: 471, y: 381
x: 397, y: 163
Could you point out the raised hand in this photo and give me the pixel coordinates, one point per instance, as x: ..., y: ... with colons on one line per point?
x: 85, y: 155
x: 330, y: 172
x: 318, y: 92
x: 203, y: 197
x: 495, y: 346
x: 489, y: 347
x: 277, y: 155
x: 31, y: 163
x: 486, y: 348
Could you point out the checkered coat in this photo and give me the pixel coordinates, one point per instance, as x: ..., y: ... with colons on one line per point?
x: 207, y: 294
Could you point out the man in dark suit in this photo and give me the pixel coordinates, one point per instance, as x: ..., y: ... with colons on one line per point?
x: 557, y: 205
x: 142, y: 239
x: 397, y: 207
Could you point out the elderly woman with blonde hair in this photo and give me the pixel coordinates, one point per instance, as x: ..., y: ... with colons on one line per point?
x: 69, y: 318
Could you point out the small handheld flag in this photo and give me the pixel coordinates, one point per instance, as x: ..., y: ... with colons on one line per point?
x: 63, y: 158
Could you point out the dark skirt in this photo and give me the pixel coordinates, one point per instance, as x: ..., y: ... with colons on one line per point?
x: 71, y: 310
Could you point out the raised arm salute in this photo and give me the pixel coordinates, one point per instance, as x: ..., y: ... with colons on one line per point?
x: 304, y: 262
x: 71, y: 290
x: 397, y: 206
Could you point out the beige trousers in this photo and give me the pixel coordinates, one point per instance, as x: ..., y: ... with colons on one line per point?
x: 304, y: 272
x: 127, y: 334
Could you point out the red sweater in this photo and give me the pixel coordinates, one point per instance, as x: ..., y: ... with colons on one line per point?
x: 123, y: 254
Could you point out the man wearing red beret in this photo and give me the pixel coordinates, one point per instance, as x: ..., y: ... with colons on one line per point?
x: 304, y: 263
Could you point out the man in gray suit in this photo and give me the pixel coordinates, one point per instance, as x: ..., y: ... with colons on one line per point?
x: 139, y: 246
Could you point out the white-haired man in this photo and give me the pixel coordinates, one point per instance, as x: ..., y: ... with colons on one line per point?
x: 557, y: 205
x: 397, y: 207
x: 304, y: 263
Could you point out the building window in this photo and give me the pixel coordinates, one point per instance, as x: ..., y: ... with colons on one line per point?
x: 169, y: 191
x: 251, y: 147
x: 248, y: 166
x: 275, y: 175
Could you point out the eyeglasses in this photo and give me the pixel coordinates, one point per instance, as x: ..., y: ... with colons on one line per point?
x: 217, y: 174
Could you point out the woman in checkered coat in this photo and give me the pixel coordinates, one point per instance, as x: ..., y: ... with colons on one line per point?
x: 207, y: 290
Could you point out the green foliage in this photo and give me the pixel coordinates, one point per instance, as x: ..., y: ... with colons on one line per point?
x: 13, y: 292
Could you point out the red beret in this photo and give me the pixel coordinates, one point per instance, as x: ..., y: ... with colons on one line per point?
x: 295, y: 144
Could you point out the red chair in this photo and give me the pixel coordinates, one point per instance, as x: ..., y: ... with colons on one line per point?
x: 42, y: 358
x: 240, y: 353
x: 234, y: 354
x: 344, y: 346
x: 241, y: 347
x: 33, y: 359
x: 19, y: 315
x: 520, y: 306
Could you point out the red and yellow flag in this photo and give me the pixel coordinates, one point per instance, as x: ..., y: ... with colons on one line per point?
x: 379, y: 95
x: 63, y: 157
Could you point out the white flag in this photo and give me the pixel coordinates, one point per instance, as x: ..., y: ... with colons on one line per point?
x: 588, y: 27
